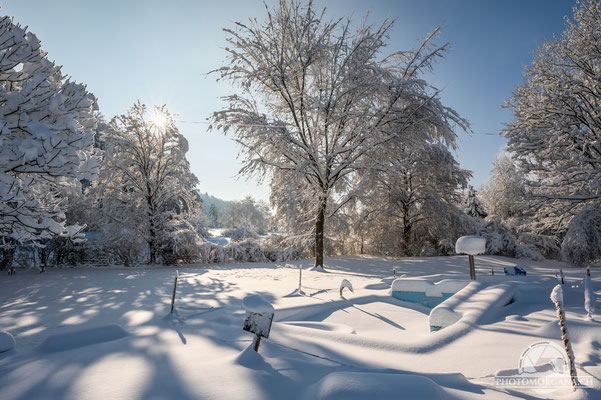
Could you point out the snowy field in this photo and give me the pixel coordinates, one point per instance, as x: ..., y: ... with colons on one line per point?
x: 107, y: 333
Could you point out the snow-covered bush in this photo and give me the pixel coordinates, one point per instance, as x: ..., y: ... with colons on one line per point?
x: 183, y: 243
x: 125, y: 247
x: 582, y: 242
x: 240, y: 233
x: 253, y: 251
x: 547, y: 246
x: 288, y: 254
x: 531, y: 253
x: 217, y: 254
x: 499, y: 239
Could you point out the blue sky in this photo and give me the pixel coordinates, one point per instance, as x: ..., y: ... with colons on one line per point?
x: 160, y: 52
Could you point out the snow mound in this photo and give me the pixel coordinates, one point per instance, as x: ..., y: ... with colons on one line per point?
x: 257, y: 304
x: 473, y: 305
x: 472, y: 245
x: 249, y: 358
x: 346, y: 284
x: 7, y: 341
x: 80, y: 338
x: 323, y: 326
x: 373, y: 386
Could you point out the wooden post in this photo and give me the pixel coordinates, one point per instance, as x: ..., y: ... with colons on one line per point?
x: 558, y: 300
x: 394, y: 272
x: 588, y: 271
x: 472, y: 268
x: 492, y: 270
x: 257, y: 343
x: 300, y: 277
x: 174, y: 289
x: 561, y: 275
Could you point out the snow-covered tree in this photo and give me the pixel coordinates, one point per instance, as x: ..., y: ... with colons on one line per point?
x: 145, y: 183
x: 505, y: 197
x: 555, y: 135
x: 247, y: 212
x: 317, y: 97
x: 473, y: 206
x: 408, y: 197
x: 46, y: 139
x: 582, y: 242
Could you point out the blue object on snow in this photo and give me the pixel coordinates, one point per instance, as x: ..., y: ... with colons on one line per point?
x: 514, y: 271
x: 420, y: 298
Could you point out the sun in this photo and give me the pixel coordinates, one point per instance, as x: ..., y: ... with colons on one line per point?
x: 159, y: 120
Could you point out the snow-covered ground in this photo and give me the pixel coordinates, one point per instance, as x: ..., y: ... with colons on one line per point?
x: 106, y: 333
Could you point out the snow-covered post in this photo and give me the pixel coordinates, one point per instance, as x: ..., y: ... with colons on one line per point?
x: 174, y: 289
x: 394, y: 272
x: 346, y: 284
x: 561, y: 277
x: 300, y: 278
x: 557, y: 298
x: 471, y: 245
x: 259, y: 316
x: 589, y: 296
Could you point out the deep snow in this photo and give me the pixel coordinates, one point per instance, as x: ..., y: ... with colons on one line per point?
x: 99, y: 333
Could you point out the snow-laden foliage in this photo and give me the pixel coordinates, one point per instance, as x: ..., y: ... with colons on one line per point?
x: 183, y: 243
x: 145, y: 185
x: 316, y: 98
x: 247, y: 212
x: 46, y: 138
x: 499, y: 239
x: 407, y: 203
x: 240, y: 233
x: 473, y: 206
x: 555, y: 135
x: 582, y: 242
x: 529, y: 252
x: 504, y: 197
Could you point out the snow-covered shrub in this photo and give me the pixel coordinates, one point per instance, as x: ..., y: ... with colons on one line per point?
x: 182, y: 244
x: 499, y: 239
x: 253, y: 250
x: 531, y: 253
x: 127, y: 249
x: 582, y: 242
x: 446, y: 247
x: 235, y: 251
x: 241, y: 233
x: 217, y: 254
x: 288, y: 254
x: 547, y: 246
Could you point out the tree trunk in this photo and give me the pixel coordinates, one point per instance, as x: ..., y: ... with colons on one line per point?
x: 152, y: 247
x: 319, y: 229
x: 7, y: 254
